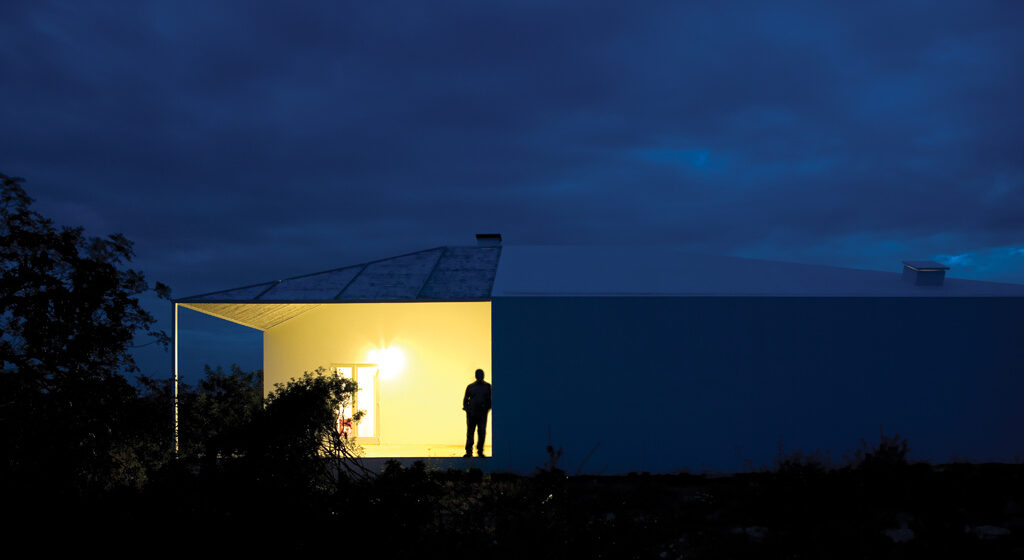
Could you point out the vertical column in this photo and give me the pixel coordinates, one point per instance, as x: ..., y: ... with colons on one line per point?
x: 174, y: 359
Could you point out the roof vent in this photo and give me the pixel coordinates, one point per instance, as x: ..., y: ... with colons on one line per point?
x: 488, y: 239
x: 924, y: 273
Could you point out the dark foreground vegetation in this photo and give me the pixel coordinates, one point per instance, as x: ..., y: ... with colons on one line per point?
x: 87, y: 462
x: 796, y: 511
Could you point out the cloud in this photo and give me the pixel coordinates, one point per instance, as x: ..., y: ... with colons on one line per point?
x: 238, y: 142
x: 1004, y: 264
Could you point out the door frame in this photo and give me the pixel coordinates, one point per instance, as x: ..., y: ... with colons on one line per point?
x: 356, y: 405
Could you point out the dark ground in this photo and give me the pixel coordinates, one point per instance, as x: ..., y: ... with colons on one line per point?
x: 798, y: 510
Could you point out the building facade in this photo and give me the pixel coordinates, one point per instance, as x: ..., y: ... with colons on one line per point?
x: 650, y: 359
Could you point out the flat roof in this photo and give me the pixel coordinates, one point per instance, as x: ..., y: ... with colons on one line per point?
x: 593, y: 271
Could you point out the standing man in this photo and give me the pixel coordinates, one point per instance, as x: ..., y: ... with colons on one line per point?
x: 476, y: 403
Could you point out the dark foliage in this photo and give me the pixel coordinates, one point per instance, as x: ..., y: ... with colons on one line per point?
x: 294, y: 443
x: 69, y: 311
x: 214, y: 415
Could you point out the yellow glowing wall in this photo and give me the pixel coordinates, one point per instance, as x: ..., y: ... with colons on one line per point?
x: 442, y: 345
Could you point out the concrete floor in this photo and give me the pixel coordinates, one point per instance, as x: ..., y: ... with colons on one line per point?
x: 417, y: 451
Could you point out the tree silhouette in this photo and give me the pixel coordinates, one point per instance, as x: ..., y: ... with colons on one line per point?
x: 214, y: 415
x: 296, y: 440
x: 69, y: 311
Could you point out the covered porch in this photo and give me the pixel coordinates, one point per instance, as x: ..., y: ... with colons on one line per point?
x: 410, y: 330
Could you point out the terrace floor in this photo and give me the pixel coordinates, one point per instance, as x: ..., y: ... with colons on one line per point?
x: 429, y: 450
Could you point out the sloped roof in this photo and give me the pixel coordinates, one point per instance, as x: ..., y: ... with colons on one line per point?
x: 441, y: 273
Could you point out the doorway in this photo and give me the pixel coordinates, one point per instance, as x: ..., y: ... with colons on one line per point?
x: 367, y: 399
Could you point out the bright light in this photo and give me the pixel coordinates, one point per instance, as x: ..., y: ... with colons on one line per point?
x: 390, y: 360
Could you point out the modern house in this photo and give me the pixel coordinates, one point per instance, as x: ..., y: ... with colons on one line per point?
x: 650, y: 359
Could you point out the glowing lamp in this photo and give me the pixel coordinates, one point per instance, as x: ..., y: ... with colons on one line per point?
x: 389, y: 360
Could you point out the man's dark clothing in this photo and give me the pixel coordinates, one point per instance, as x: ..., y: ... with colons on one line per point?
x: 476, y: 403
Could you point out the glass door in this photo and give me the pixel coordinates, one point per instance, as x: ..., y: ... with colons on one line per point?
x: 367, y: 430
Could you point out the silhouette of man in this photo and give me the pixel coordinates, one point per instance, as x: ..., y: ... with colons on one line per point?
x: 476, y: 403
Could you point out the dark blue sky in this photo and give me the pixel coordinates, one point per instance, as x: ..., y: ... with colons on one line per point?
x: 236, y: 143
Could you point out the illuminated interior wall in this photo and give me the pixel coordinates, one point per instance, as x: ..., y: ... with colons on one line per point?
x: 441, y: 343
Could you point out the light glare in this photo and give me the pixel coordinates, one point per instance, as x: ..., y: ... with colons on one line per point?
x: 390, y: 360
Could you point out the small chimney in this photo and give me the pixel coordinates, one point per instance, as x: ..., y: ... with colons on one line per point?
x: 924, y: 273
x: 488, y: 239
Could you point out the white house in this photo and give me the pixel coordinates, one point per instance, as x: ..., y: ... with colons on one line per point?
x: 648, y: 358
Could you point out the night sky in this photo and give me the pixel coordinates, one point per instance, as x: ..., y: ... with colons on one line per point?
x: 236, y: 144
